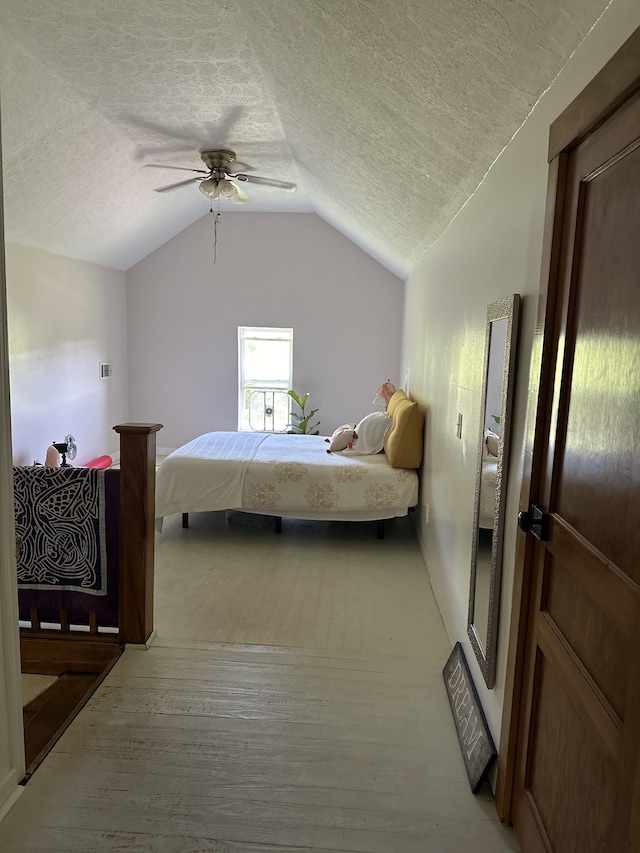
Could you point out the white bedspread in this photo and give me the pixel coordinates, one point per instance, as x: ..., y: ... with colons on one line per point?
x: 282, y: 475
x: 489, y: 482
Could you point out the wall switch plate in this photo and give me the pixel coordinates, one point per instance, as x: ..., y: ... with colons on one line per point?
x: 459, y: 426
x: 426, y: 513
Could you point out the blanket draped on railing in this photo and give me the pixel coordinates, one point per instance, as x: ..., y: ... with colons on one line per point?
x: 67, y: 522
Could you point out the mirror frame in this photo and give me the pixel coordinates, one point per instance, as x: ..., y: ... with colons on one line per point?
x: 505, y: 309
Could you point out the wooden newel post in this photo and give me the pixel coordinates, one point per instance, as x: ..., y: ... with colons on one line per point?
x: 137, y: 529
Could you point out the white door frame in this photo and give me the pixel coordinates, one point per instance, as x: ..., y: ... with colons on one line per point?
x: 12, y: 761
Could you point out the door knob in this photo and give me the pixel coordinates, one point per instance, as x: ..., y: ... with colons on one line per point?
x: 524, y: 521
x: 534, y: 521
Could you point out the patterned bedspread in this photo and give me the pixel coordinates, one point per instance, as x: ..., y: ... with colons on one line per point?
x: 283, y: 475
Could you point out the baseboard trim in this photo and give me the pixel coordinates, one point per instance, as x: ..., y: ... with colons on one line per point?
x: 141, y: 647
x: 439, y: 593
x: 8, y: 804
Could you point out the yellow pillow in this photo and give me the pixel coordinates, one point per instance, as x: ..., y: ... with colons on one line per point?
x: 403, y: 443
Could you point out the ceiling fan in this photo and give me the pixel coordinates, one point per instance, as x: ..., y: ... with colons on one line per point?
x: 216, y: 181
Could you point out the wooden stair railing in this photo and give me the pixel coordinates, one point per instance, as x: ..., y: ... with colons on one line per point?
x: 137, y: 529
x: 80, y: 660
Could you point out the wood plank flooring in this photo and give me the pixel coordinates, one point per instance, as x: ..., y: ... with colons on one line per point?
x: 226, y: 737
x: 326, y: 585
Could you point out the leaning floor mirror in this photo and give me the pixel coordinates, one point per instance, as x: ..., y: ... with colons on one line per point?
x: 489, y: 507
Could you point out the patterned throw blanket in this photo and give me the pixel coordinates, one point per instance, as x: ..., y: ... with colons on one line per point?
x: 60, y: 520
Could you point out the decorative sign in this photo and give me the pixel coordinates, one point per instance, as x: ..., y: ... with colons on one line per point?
x: 476, y: 743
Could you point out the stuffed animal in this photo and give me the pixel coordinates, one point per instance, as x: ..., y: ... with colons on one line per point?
x: 385, y: 392
x: 342, y: 438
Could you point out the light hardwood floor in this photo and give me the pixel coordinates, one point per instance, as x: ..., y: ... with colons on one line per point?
x: 292, y: 701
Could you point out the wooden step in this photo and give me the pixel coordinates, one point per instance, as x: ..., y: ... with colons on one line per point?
x: 51, y: 712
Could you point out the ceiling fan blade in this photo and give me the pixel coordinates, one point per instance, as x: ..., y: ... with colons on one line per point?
x: 267, y: 182
x: 179, y: 184
x: 180, y: 168
x: 240, y: 167
x: 240, y: 197
x: 221, y: 129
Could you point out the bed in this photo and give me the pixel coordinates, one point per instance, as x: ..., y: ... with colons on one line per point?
x: 297, y: 476
x: 488, y: 484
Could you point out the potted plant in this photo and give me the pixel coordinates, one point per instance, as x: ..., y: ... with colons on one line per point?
x: 301, y: 421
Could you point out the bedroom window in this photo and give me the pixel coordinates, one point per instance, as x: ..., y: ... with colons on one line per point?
x: 265, y: 366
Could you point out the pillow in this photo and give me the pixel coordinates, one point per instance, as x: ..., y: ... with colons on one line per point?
x: 491, y: 442
x: 403, y: 443
x: 341, y: 438
x: 370, y: 433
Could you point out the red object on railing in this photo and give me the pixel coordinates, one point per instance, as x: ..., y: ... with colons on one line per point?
x: 100, y: 462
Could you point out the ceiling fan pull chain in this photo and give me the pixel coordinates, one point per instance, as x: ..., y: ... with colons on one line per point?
x: 216, y: 219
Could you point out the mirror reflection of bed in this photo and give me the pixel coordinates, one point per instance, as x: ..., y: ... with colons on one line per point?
x: 484, y: 545
x: 483, y: 584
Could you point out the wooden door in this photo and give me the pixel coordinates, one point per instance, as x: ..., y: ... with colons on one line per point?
x: 579, y: 723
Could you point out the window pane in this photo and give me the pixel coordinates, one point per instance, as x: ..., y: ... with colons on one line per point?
x: 266, y: 361
x: 268, y: 411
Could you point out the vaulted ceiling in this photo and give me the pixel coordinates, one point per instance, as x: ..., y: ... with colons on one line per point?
x: 385, y: 113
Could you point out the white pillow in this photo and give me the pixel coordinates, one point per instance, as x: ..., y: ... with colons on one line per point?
x: 370, y: 433
x: 492, y: 442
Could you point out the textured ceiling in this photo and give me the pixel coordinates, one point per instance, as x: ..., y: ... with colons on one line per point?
x: 386, y: 113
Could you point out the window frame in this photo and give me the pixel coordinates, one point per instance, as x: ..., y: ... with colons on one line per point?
x: 262, y: 333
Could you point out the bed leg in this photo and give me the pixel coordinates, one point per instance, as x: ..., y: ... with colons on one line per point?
x: 278, y: 524
x: 185, y: 520
x: 381, y: 529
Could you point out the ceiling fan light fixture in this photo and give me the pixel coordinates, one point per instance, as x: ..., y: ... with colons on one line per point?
x: 209, y: 187
x: 227, y: 189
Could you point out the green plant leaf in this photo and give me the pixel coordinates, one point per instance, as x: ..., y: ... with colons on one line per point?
x: 295, y: 397
x: 300, y: 421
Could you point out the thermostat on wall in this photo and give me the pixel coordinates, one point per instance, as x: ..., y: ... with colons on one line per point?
x: 105, y: 370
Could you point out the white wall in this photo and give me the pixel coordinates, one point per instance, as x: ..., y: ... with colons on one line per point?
x: 492, y: 249
x: 290, y: 270
x: 12, y: 759
x: 65, y: 317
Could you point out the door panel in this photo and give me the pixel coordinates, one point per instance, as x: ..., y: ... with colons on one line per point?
x: 591, y: 631
x: 602, y: 433
x: 579, y: 676
x: 571, y: 775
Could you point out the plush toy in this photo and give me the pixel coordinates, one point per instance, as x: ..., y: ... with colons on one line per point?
x: 385, y: 392
x: 342, y: 438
